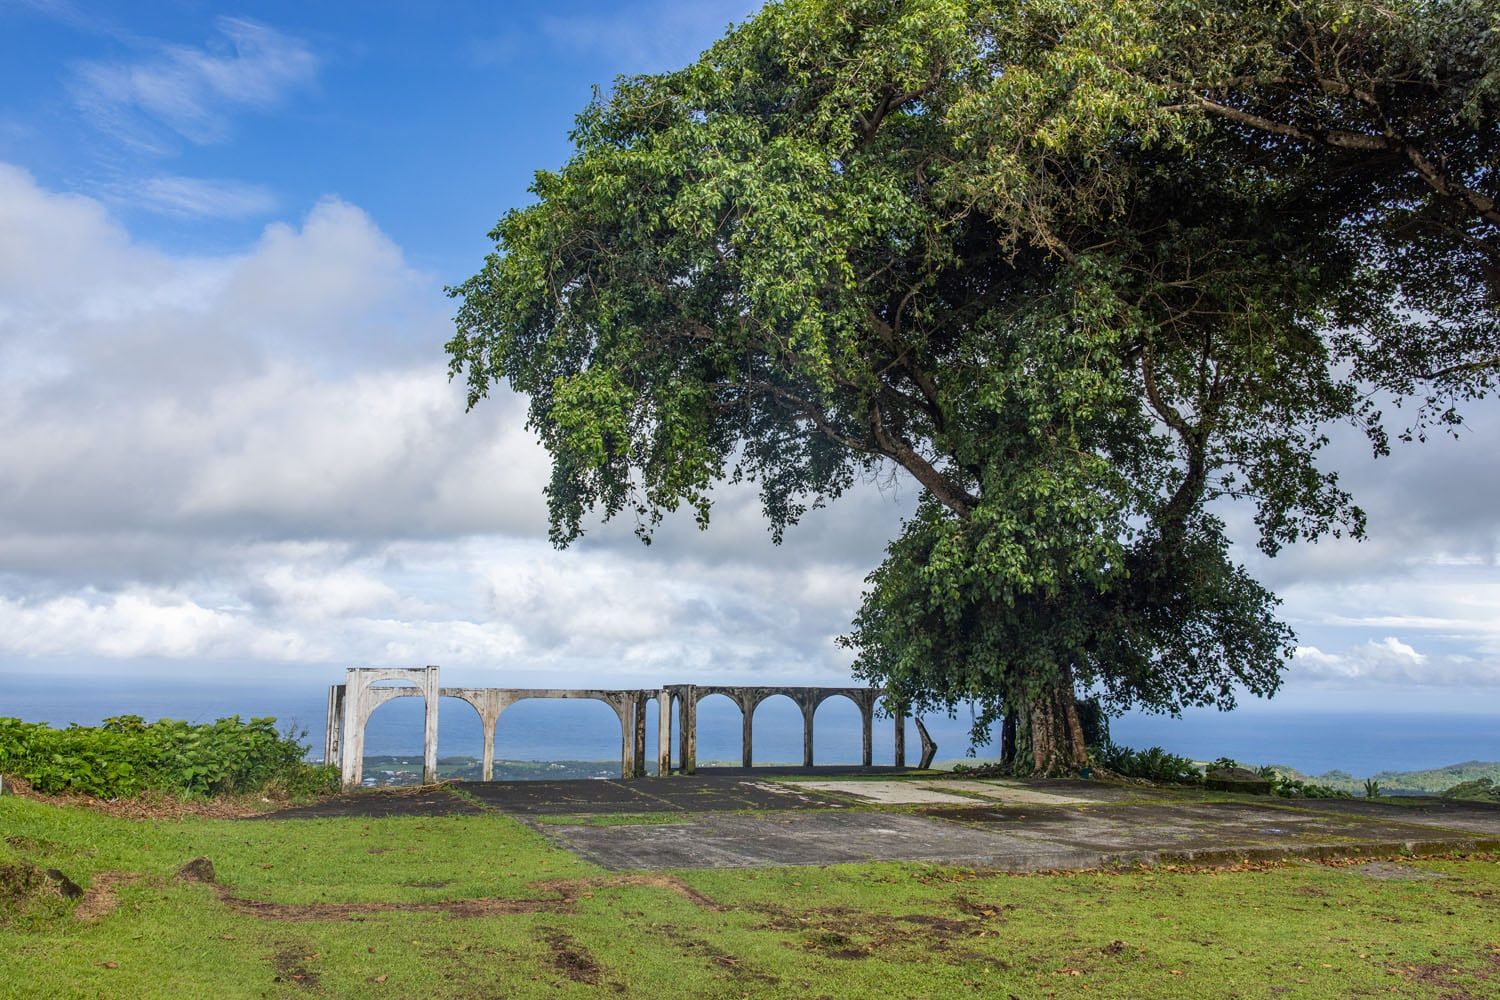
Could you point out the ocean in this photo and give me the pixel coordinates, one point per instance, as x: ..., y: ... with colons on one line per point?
x: 1312, y: 742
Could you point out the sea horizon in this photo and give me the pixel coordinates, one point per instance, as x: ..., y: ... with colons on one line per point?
x: 1314, y: 742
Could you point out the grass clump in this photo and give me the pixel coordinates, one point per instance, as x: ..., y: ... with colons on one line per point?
x: 126, y: 756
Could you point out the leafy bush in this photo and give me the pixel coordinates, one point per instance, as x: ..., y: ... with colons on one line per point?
x: 1291, y: 787
x: 126, y: 756
x: 1372, y: 788
x: 1154, y: 764
x: 1480, y: 790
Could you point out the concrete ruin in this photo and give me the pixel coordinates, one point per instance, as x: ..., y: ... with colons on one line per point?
x: 351, y: 704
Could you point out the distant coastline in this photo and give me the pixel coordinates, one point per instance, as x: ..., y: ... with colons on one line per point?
x: 1315, y: 744
x: 406, y: 769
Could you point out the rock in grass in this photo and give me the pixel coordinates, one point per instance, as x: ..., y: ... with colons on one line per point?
x: 197, y: 870
x: 1236, y: 779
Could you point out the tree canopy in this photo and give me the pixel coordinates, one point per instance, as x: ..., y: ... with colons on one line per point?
x: 1080, y: 270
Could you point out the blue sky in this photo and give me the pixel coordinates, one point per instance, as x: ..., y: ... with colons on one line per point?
x: 231, y: 450
x: 431, y: 117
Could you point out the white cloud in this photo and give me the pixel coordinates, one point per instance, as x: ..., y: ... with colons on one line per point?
x: 193, y: 92
x: 1390, y: 661
x: 257, y: 457
x: 134, y: 623
x: 199, y: 198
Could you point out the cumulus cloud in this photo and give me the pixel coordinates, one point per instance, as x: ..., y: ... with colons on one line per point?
x: 193, y: 92
x: 1390, y: 661
x: 256, y: 457
x: 259, y: 456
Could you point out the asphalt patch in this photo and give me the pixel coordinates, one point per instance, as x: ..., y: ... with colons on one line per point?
x: 437, y: 800
x: 1013, y: 838
x: 683, y: 793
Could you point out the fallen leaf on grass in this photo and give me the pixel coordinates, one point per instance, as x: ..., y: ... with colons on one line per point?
x: 108, y: 965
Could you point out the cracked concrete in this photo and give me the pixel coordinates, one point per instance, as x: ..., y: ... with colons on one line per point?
x: 736, y: 820
x: 1016, y: 838
x: 946, y: 791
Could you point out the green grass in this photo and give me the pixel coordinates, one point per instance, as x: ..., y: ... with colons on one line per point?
x: 889, y: 930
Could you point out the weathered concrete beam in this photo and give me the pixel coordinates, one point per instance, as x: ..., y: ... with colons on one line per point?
x: 351, y: 704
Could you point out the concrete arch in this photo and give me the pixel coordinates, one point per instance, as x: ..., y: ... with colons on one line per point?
x: 769, y: 698
x: 842, y: 702
x: 351, y: 703
x: 360, y: 699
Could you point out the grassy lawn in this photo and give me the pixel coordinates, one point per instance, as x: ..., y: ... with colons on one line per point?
x: 472, y: 906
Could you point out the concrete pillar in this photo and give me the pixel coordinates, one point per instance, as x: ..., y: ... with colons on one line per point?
x: 747, y: 709
x: 335, y: 726
x: 663, y: 733
x: 809, y: 709
x: 689, y: 762
x: 622, y: 708
x: 638, y: 711
x: 430, y: 693
x: 352, y: 740
x: 489, y: 720
x: 900, y: 718
x: 867, y: 723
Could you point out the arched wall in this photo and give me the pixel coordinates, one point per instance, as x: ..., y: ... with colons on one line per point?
x: 774, y: 710
x: 828, y: 715
x: 351, y: 704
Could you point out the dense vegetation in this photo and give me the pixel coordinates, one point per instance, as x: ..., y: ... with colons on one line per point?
x: 1083, y: 271
x: 1433, y: 780
x: 127, y: 755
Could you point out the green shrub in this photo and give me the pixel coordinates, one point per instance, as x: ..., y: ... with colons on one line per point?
x: 125, y: 756
x: 1291, y: 787
x: 1480, y: 790
x: 1153, y: 764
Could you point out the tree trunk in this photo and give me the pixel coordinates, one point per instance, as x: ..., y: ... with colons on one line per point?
x: 1049, y: 734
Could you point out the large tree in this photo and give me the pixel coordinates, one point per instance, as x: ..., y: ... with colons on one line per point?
x: 1041, y: 256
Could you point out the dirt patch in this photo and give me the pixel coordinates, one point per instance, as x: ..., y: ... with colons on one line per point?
x: 1386, y: 871
x: 668, y: 882
x: 291, y: 967
x: 563, y: 896
x: 101, y: 899
x: 844, y: 932
x: 717, y: 957
x: 570, y: 958
x: 301, y: 912
x: 20, y: 882
x: 1446, y: 979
